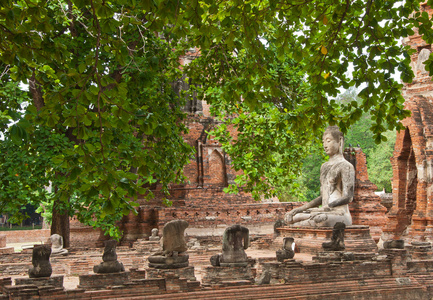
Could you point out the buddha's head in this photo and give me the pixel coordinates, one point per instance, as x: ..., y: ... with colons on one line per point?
x: 333, y: 141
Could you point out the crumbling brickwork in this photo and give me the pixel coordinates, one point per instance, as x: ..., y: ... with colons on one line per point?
x: 411, y: 215
x: 366, y: 207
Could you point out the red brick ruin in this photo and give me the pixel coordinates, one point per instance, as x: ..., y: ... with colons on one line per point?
x: 411, y: 216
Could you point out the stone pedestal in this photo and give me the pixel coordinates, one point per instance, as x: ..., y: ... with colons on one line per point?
x: 102, y: 281
x: 420, y: 250
x: 228, y: 276
x: 187, y: 273
x: 176, y: 280
x: 56, y: 281
x: 3, y: 248
x: 399, y: 259
x: 357, y: 238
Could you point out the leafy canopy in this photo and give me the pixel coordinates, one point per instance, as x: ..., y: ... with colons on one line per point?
x: 99, y: 74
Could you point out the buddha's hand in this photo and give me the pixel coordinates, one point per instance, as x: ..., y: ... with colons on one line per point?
x: 289, y: 216
x: 332, y: 204
x: 324, y: 208
x: 296, y: 211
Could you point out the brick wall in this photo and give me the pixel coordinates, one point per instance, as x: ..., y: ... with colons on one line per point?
x: 24, y: 236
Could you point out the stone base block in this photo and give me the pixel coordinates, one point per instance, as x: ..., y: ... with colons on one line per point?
x: 2, y: 240
x: 336, y: 256
x: 56, y: 281
x: 135, y: 273
x: 420, y: 250
x: 228, y: 276
x: 357, y: 238
x: 102, y: 281
x: 187, y: 273
x: 7, y: 250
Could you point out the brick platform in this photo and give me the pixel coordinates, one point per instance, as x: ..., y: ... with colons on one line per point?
x: 227, y: 276
x: 187, y: 273
x: 55, y: 281
x: 357, y: 238
x: 383, y: 289
x: 103, y: 281
x: 7, y: 250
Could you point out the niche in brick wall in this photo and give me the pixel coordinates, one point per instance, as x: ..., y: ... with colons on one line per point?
x: 217, y: 170
x: 408, y: 178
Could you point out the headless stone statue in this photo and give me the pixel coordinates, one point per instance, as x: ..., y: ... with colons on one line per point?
x: 173, y: 247
x: 57, y: 245
x: 337, y: 240
x: 288, y: 251
x: 235, y: 240
x: 110, y: 263
x: 173, y: 237
x: 41, y: 262
x: 337, y: 183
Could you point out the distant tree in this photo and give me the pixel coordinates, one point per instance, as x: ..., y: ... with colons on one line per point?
x: 378, y: 156
x: 379, y: 162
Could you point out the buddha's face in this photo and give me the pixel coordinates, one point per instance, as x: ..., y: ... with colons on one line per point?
x: 330, y: 144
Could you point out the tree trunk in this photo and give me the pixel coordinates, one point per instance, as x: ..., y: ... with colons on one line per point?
x: 60, y: 224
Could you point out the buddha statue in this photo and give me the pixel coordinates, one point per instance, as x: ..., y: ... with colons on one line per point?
x: 337, y: 183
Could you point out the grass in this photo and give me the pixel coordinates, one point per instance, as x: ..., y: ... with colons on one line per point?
x: 4, y: 228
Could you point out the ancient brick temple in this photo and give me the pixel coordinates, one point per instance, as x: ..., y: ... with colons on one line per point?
x: 411, y: 216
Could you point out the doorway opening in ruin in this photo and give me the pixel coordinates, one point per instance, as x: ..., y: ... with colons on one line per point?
x: 217, y: 170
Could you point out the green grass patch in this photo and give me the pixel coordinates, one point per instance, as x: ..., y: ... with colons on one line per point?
x: 4, y: 228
